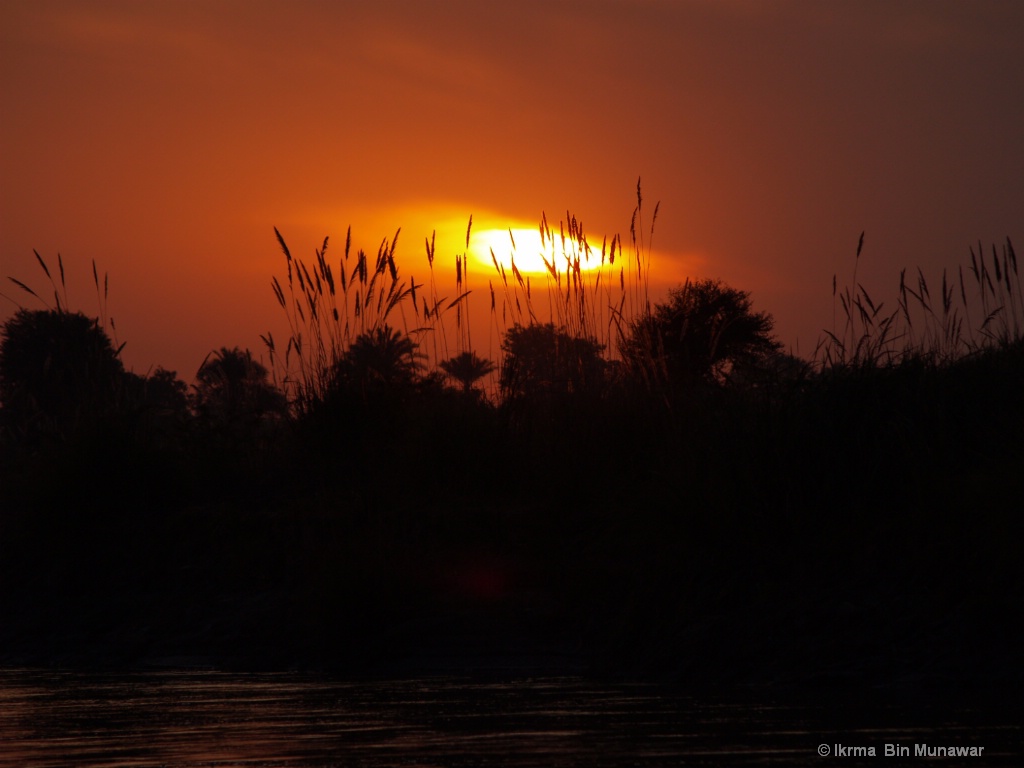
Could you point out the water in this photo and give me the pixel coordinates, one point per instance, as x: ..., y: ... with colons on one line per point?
x: 208, y: 719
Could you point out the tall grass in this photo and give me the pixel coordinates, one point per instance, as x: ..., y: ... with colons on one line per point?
x: 588, y: 293
x: 328, y: 304
x: 62, y: 304
x: 328, y: 307
x: 969, y: 313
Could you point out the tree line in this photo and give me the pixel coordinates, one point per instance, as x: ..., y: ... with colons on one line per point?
x: 61, y: 375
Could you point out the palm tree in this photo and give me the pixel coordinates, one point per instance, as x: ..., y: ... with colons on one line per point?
x: 383, y: 359
x: 231, y: 387
x: 703, y: 332
x: 467, y: 369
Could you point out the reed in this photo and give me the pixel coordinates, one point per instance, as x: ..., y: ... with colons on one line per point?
x: 62, y: 304
x: 968, y: 314
x: 587, y: 293
x: 328, y: 307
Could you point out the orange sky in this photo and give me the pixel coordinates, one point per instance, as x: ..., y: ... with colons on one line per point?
x: 167, y: 139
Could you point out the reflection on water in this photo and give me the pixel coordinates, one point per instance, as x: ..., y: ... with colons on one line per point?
x: 218, y: 719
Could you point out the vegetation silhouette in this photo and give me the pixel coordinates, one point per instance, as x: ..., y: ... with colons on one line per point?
x: 234, y: 390
x: 467, y: 369
x: 704, y: 333
x: 165, y: 393
x: 664, y: 493
x: 380, y: 361
x: 542, y: 361
x: 60, y: 375
x: 968, y: 315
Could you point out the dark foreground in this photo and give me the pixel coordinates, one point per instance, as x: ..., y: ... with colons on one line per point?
x: 859, y: 536
x: 517, y: 590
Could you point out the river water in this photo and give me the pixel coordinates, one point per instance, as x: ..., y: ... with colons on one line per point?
x: 202, y: 718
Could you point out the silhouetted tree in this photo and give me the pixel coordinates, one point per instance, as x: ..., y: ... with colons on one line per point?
x: 466, y: 369
x: 233, y: 388
x: 704, y: 330
x: 59, y: 373
x: 542, y: 360
x: 165, y: 392
x: 158, y: 407
x: 378, y: 361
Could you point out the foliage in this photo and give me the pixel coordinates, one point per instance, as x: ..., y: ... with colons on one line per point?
x: 330, y: 308
x: 59, y: 373
x: 233, y: 388
x: 466, y: 369
x: 705, y: 331
x: 165, y: 393
x: 542, y: 360
x: 379, y: 360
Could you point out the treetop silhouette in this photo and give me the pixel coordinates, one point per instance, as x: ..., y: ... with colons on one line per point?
x: 466, y: 369
x: 544, y: 360
x: 59, y: 372
x: 704, y: 330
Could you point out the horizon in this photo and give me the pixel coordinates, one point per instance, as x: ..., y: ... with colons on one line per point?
x: 166, y: 142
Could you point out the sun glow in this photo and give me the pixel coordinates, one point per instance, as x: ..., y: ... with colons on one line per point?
x: 531, y: 254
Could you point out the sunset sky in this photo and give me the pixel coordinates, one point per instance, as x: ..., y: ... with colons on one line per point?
x: 166, y: 140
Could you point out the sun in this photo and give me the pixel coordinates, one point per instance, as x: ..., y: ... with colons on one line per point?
x: 532, y: 256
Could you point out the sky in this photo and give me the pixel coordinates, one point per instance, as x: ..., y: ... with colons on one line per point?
x: 166, y: 140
